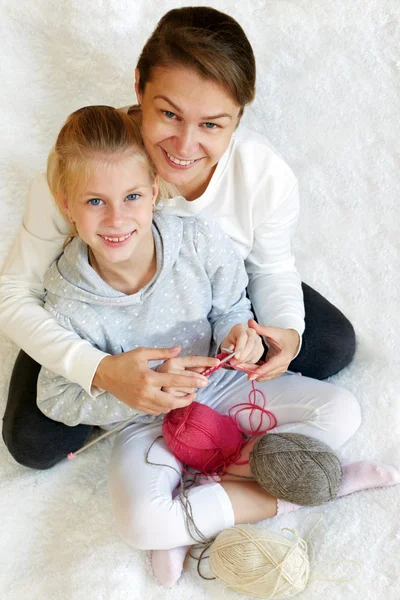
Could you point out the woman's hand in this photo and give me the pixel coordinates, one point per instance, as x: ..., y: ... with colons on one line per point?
x: 247, y: 340
x: 128, y: 377
x: 283, y: 345
x: 184, y: 367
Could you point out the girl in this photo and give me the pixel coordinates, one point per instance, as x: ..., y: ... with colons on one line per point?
x: 194, y: 78
x: 131, y: 277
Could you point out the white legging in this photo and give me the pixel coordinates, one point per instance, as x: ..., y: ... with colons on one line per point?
x: 149, y: 517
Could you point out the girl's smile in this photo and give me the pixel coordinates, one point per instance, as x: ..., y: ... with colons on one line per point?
x: 116, y: 240
x: 113, y: 214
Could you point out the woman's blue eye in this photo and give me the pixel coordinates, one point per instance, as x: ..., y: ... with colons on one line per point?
x: 169, y: 114
x: 133, y: 196
x: 211, y: 125
x: 95, y: 201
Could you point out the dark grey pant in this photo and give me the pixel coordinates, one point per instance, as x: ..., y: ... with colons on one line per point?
x: 36, y: 441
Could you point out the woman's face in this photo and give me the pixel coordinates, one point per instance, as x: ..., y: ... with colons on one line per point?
x: 187, y: 123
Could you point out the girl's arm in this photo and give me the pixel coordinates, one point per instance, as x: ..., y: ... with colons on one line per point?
x: 228, y: 280
x: 67, y: 402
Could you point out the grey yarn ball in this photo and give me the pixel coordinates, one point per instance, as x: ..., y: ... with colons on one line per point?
x: 296, y: 468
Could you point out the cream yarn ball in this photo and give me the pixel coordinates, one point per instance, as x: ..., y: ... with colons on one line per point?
x: 260, y: 563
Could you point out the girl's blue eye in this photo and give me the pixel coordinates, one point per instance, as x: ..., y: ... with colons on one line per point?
x: 133, y: 196
x: 211, y: 125
x: 95, y: 201
x: 169, y: 114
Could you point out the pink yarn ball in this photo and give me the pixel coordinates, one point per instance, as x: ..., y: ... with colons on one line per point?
x: 202, y: 438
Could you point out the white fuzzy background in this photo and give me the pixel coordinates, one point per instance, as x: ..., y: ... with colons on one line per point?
x: 329, y: 100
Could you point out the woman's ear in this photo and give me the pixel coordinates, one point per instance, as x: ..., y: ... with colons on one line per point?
x: 137, y: 82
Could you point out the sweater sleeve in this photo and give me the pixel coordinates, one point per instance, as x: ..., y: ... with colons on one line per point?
x: 228, y: 279
x: 22, y: 316
x: 274, y: 282
x: 67, y: 402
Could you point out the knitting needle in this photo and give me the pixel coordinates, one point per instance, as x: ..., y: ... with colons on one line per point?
x: 222, y: 361
x: 73, y: 455
x: 230, y: 355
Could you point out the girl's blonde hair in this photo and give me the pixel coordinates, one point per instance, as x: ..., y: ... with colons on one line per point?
x: 101, y: 133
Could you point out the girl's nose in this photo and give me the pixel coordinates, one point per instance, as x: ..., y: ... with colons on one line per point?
x: 113, y: 216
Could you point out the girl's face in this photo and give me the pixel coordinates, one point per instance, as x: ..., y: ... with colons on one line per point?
x: 187, y: 124
x: 113, y: 211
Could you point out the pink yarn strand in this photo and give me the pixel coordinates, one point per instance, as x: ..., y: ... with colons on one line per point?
x: 254, y: 408
x: 251, y: 405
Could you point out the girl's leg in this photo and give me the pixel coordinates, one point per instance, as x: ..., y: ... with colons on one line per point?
x: 150, y: 516
x: 300, y: 404
x: 311, y: 407
x: 147, y: 514
x: 33, y: 439
x: 357, y: 476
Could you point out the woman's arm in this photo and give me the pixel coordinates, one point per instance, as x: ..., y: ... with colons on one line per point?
x: 274, y: 283
x: 275, y: 286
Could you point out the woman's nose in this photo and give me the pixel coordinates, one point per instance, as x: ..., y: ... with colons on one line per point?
x: 186, y: 144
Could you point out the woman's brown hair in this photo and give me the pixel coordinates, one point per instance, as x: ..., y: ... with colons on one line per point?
x: 206, y: 40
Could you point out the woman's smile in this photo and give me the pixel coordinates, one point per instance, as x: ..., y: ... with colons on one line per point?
x: 179, y: 163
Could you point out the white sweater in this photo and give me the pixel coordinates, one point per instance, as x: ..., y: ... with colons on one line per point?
x: 253, y: 195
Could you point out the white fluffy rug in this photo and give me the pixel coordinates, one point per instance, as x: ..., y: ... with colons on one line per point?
x: 328, y: 98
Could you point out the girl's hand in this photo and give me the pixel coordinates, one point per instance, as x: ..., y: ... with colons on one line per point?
x: 185, y: 366
x: 128, y: 377
x: 247, y: 340
x: 283, y: 345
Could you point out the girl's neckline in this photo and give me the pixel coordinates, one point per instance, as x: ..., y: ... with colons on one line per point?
x: 143, y: 281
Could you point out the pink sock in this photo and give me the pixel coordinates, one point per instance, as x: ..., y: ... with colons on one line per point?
x: 366, y: 475
x: 283, y: 507
x: 168, y: 564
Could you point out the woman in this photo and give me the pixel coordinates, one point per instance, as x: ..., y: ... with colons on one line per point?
x: 194, y: 78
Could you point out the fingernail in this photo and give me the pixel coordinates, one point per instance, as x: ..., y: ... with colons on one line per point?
x: 203, y: 383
